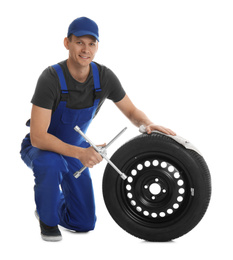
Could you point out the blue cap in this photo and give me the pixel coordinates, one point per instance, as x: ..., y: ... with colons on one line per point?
x: 83, y: 26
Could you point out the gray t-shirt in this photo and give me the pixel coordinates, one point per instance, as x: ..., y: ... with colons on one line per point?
x: 80, y: 95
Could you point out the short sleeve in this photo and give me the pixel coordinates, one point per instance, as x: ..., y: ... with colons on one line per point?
x: 115, y: 90
x: 46, y: 92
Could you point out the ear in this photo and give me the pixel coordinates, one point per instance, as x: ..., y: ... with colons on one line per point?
x: 66, y: 43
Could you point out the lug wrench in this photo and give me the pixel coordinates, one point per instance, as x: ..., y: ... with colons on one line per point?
x: 101, y: 150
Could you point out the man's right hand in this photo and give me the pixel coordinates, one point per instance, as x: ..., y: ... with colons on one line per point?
x: 89, y: 157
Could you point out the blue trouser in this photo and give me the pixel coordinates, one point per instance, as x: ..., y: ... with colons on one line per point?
x: 60, y: 198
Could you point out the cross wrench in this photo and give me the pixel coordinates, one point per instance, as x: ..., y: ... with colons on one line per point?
x: 101, y: 150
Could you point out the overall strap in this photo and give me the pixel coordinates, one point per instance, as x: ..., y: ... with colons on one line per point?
x: 61, y: 77
x: 96, y: 77
x: 62, y: 80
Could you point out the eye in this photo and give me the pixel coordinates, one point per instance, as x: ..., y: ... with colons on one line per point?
x: 79, y: 42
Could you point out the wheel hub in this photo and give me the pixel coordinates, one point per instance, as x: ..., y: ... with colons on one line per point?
x: 155, y: 189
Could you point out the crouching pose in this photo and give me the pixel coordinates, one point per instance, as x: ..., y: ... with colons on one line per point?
x: 67, y: 94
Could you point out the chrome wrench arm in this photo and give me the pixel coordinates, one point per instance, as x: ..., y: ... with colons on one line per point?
x: 102, y: 151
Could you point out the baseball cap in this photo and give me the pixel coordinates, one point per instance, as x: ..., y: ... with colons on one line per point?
x: 83, y: 26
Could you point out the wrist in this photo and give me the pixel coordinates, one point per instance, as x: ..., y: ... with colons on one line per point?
x: 77, y: 152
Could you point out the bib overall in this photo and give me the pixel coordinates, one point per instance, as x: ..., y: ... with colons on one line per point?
x: 60, y: 198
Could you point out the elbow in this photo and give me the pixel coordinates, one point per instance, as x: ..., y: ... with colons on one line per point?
x: 36, y: 140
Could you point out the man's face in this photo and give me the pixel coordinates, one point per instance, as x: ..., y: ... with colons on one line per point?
x: 82, y: 49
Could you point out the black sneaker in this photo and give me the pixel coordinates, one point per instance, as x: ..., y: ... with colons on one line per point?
x: 49, y: 233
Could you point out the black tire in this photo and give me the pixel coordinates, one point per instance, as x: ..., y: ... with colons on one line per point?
x: 167, y: 191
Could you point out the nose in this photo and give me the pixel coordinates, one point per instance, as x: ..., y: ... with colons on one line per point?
x: 85, y: 49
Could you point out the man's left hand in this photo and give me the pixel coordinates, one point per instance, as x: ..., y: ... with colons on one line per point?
x: 151, y: 127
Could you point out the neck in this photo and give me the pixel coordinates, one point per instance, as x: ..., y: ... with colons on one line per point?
x: 77, y: 71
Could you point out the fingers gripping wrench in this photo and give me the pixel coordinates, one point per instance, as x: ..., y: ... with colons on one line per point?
x: 101, y: 150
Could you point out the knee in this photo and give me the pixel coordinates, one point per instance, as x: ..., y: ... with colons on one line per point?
x: 86, y: 226
x: 49, y: 162
x: 81, y: 224
x: 89, y: 225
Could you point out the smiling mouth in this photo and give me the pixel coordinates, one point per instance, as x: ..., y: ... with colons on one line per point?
x: 84, y: 57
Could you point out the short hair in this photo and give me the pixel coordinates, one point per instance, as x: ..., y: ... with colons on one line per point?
x: 70, y: 38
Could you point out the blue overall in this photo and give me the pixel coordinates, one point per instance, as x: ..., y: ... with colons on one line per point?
x: 60, y: 198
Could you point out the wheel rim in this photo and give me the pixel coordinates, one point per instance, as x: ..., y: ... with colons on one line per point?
x: 157, y: 190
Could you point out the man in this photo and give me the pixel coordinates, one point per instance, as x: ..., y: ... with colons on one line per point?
x: 68, y: 94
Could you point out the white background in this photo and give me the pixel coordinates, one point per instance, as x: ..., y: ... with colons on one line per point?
x: 175, y: 61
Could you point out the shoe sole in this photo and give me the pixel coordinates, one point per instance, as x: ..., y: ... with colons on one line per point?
x: 51, y: 239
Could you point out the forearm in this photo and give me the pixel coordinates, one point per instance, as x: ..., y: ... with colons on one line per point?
x: 51, y: 143
x: 40, y: 138
x: 138, y: 118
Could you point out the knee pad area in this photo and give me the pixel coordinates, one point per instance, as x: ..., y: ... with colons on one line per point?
x: 79, y: 226
x: 49, y: 162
